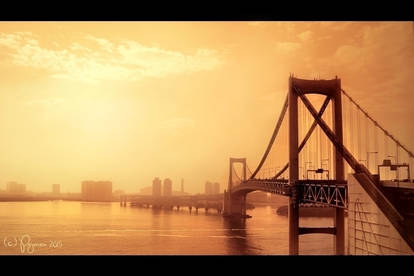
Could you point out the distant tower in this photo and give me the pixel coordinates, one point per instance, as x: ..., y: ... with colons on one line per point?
x: 96, y: 190
x: 156, y: 187
x: 182, y: 185
x: 16, y: 188
x: 208, y: 188
x: 167, y: 187
x: 56, y: 189
x: 216, y: 188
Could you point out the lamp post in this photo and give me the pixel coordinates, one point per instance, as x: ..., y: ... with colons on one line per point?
x: 277, y: 169
x: 396, y: 169
x: 325, y: 161
x: 393, y: 156
x: 372, y: 152
x: 309, y: 162
x: 327, y: 165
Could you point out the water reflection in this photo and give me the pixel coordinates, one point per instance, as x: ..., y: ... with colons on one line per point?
x: 100, y: 228
x: 237, y: 238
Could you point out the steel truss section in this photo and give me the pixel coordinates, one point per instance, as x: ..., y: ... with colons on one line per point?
x: 280, y: 187
x: 329, y: 193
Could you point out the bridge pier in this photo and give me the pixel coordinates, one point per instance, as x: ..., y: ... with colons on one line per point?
x: 234, y: 205
x: 123, y: 201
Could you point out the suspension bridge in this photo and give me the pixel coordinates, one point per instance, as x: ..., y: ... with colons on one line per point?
x: 336, y: 155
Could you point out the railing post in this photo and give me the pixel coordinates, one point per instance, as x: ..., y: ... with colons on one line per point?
x: 244, y: 169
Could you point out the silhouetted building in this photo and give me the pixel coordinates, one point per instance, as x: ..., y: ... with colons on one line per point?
x: 208, y: 188
x: 216, y: 188
x: 167, y: 187
x: 179, y: 193
x: 56, y: 189
x: 97, y: 190
x: 146, y: 190
x: 117, y: 194
x: 16, y: 188
x: 156, y: 187
x: 182, y: 185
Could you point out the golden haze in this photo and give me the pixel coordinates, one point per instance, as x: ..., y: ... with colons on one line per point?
x: 128, y: 101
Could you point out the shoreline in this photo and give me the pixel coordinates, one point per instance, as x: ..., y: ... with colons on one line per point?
x: 36, y: 199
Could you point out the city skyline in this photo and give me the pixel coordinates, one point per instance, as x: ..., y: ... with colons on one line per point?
x: 57, y: 187
x: 126, y: 101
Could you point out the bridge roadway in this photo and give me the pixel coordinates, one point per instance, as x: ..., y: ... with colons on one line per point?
x: 331, y: 193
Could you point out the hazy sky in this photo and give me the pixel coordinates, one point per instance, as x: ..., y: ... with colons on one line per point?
x: 126, y: 102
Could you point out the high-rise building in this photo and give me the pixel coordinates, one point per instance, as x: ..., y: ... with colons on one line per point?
x: 97, y: 190
x: 208, y: 188
x: 216, y: 188
x: 56, y: 189
x: 167, y: 187
x: 156, y: 187
x: 16, y: 188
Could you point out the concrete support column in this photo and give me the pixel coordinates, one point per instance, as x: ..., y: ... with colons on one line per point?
x: 230, y: 175
x: 293, y: 210
x: 339, y: 220
x: 244, y: 169
x: 226, y: 204
x: 243, y: 207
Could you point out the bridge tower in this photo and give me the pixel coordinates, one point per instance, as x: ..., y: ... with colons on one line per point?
x: 293, y: 205
x: 366, y: 189
x: 332, y: 89
x: 234, y: 205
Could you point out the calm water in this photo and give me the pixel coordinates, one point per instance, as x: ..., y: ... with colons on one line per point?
x: 62, y: 227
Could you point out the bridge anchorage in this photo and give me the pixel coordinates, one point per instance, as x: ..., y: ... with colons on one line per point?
x: 322, y: 139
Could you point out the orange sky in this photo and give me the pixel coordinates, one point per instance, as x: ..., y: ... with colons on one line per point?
x: 128, y: 101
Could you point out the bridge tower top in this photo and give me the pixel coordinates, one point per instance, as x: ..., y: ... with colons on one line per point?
x: 232, y: 161
x: 323, y: 87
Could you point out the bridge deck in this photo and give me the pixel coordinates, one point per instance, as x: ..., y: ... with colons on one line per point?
x: 331, y: 193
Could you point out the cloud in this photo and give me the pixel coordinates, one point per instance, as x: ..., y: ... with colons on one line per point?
x: 254, y: 24
x: 305, y: 36
x: 335, y: 26
x: 105, y: 44
x: 77, y: 47
x: 178, y: 123
x: 124, y: 60
x: 44, y: 102
x: 287, y: 46
x: 14, y: 40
